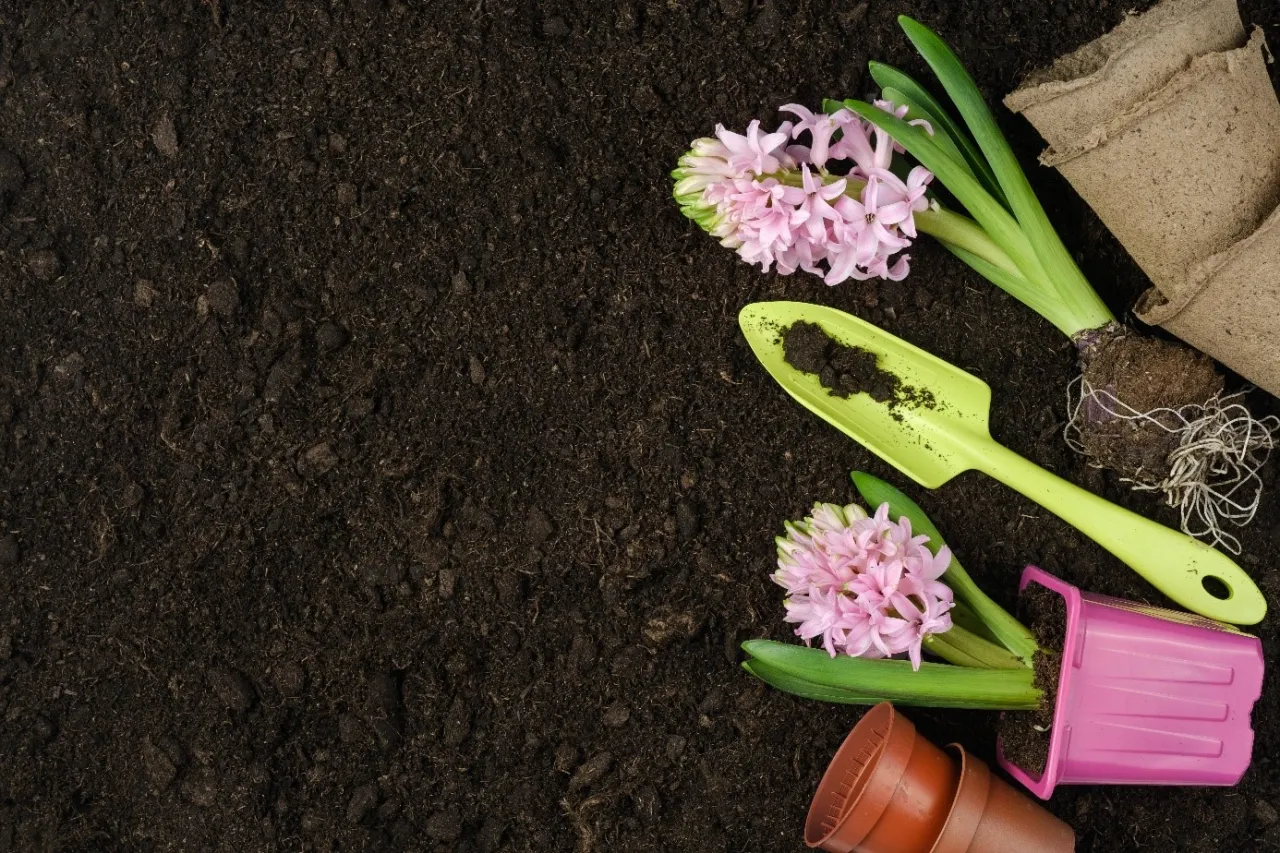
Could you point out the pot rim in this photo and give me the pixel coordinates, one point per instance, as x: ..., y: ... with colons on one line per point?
x: 968, y: 807
x: 873, y: 786
x: 1043, y: 784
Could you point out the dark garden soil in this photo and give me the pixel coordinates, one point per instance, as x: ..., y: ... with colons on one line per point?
x: 381, y: 466
x: 1025, y: 737
x: 842, y: 370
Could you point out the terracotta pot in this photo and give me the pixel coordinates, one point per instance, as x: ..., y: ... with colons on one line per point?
x: 989, y: 816
x: 889, y: 790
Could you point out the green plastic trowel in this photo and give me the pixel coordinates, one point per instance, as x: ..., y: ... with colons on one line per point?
x: 932, y: 441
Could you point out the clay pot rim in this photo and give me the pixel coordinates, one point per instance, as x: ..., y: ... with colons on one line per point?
x: 969, y: 806
x: 886, y: 768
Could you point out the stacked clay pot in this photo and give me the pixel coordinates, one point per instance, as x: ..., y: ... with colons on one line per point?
x: 890, y: 790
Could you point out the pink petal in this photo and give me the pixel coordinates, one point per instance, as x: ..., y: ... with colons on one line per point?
x: 892, y: 214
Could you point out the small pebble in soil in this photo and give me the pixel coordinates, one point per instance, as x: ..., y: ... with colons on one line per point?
x: 330, y: 336
x: 616, y: 716
x: 317, y: 460
x: 144, y: 293
x: 330, y: 63
x: 555, y: 27
x: 164, y: 135
x: 10, y: 552
x: 1265, y: 813
x: 444, y: 826
x: 852, y: 18
x: 69, y: 371
x: 665, y: 626
x: 675, y: 747
x: 362, y: 803
x: 582, y: 653
x: 592, y: 770
x: 461, y: 285
x: 223, y: 298
x: 537, y: 527
x: 44, y: 264
x: 446, y: 583
x: 232, y: 688
x: 475, y: 369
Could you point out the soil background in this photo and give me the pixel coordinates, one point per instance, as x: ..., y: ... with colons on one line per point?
x: 380, y: 463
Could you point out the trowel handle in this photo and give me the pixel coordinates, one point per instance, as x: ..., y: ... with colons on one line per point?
x: 1181, y: 567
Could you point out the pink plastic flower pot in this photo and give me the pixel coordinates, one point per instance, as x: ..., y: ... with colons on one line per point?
x: 1146, y: 697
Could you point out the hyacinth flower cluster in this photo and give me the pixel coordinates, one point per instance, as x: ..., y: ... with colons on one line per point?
x: 779, y: 204
x: 863, y: 584
x: 870, y: 594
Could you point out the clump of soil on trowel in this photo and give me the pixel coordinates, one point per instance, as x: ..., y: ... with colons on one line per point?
x: 844, y: 370
x: 1131, y: 382
x: 1025, y: 736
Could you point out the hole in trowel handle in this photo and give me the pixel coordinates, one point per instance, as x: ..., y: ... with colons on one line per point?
x: 1216, y: 587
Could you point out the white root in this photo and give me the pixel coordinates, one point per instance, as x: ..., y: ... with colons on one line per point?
x: 1213, y: 476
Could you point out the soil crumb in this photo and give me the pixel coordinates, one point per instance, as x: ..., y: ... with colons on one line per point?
x: 844, y: 370
x: 1144, y: 374
x: 1025, y: 736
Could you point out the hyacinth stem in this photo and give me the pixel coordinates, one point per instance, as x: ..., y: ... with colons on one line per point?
x: 966, y: 648
x: 963, y: 615
x: 814, y: 674
x: 1065, y: 278
x: 959, y: 231
x: 1049, y: 282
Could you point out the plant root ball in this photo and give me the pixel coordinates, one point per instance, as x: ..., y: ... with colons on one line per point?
x: 1133, y: 375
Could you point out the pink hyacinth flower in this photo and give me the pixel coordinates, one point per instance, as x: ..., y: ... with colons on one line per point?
x: 862, y: 585
x: 820, y: 127
x: 755, y: 152
x: 929, y: 617
x: 778, y: 206
x: 815, y: 211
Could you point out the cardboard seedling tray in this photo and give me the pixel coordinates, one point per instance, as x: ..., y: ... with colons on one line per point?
x: 1169, y: 128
